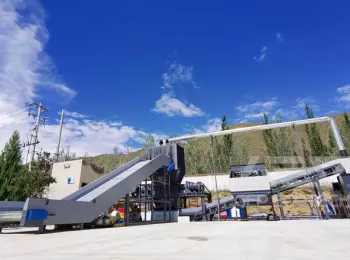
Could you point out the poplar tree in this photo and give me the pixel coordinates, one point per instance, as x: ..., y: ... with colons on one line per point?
x: 227, y: 144
x: 345, y: 131
x: 318, y: 148
x: 149, y: 141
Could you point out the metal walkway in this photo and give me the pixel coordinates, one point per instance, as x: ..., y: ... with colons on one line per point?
x: 90, y: 201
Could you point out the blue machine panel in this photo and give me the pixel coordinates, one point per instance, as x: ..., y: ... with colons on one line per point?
x: 37, y: 214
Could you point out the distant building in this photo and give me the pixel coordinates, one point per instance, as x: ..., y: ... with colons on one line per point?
x: 71, y: 176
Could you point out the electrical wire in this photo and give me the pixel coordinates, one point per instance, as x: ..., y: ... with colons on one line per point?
x: 17, y: 121
x: 11, y: 119
x: 14, y: 111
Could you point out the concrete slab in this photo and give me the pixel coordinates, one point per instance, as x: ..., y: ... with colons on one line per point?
x: 294, y: 239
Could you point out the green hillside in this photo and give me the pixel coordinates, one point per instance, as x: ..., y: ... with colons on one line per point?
x: 243, y: 147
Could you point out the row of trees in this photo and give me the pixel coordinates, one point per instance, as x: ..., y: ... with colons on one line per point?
x: 282, y: 147
x: 286, y: 147
x: 198, y: 157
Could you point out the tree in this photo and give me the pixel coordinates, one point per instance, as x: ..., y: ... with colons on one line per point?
x: 149, y: 141
x: 345, y: 131
x: 10, y: 166
x: 307, y: 156
x: 318, y: 148
x: 227, y: 143
x: 66, y: 155
x: 34, y: 183
x: 280, y: 145
x: 270, y: 142
x: 332, y: 145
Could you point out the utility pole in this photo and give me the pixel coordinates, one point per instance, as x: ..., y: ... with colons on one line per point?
x: 59, y: 136
x: 41, y: 109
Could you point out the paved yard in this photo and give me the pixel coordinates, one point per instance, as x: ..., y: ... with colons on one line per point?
x: 297, y: 239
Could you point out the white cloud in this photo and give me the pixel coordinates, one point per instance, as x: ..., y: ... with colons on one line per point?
x: 74, y: 114
x: 89, y: 136
x: 262, y: 55
x: 299, y: 106
x: 212, y: 125
x: 176, y: 74
x: 172, y: 106
x: 168, y: 104
x: 24, y: 66
x: 279, y: 37
x: 257, y: 109
x: 344, y: 95
x: 25, y: 69
x: 297, y: 110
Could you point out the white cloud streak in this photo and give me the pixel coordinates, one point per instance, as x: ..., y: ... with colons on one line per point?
x: 279, y: 37
x: 73, y: 114
x: 24, y: 66
x: 178, y: 74
x: 343, y: 97
x: 262, y: 55
x: 257, y: 109
x: 171, y: 106
x: 212, y: 125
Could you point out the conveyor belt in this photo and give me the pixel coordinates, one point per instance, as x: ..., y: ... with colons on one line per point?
x: 305, y: 177
x: 211, y: 209
x: 99, y: 182
x: 89, y: 202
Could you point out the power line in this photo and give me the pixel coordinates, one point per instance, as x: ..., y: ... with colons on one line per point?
x: 13, y: 122
x: 9, y: 118
x: 15, y: 110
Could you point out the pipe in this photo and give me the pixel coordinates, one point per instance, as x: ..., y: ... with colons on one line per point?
x: 334, y: 127
x: 338, y: 139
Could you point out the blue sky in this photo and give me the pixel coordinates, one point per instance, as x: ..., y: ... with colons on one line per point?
x: 126, y: 68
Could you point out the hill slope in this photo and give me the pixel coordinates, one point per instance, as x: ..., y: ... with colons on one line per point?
x: 197, y: 153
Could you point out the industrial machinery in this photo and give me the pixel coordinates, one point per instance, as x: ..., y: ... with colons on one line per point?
x: 197, y: 191
x: 161, y: 172
x: 154, y: 184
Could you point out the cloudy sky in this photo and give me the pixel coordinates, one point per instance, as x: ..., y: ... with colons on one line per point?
x: 123, y: 69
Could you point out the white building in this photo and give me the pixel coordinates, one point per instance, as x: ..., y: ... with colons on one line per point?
x: 71, y: 176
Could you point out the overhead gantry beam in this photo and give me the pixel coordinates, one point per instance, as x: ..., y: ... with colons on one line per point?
x: 334, y: 127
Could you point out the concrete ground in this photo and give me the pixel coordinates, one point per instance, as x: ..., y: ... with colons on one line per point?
x: 293, y: 239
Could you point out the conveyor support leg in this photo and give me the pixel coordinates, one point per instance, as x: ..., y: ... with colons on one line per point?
x: 42, y: 229
x: 325, y: 208
x: 280, y: 204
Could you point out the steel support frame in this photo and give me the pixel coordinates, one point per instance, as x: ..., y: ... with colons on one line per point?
x: 145, y: 200
x: 214, y: 172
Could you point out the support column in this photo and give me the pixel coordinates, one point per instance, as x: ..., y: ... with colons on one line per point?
x: 169, y: 196
x: 204, y: 215
x: 338, y: 139
x: 216, y: 181
x: 126, y: 210
x: 280, y: 204
x: 42, y: 229
x: 324, y: 204
x: 314, y: 200
x: 152, y: 192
